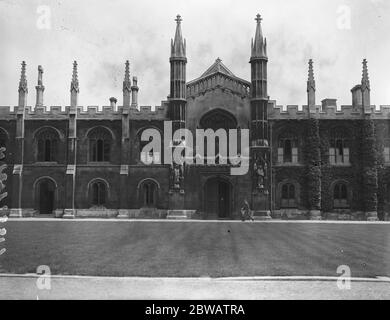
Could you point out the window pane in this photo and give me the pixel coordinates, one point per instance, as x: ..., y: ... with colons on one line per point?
x: 287, y: 151
x: 100, y: 154
x: 106, y: 151
x: 41, y: 150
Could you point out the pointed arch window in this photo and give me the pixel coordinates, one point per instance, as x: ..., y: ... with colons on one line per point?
x: 99, y: 145
x: 98, y: 194
x: 288, y: 196
x: 340, y: 196
x: 149, y: 192
x: 339, y: 148
x: 288, y: 149
x: 47, y: 146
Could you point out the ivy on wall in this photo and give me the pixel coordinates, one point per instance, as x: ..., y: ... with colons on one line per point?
x: 369, y: 156
x: 3, y: 176
x: 312, y: 155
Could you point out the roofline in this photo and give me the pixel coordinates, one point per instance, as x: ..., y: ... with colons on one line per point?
x: 219, y: 72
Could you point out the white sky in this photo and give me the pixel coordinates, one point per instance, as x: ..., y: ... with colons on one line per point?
x: 101, y: 35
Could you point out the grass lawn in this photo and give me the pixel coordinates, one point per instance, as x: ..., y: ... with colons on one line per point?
x: 181, y: 249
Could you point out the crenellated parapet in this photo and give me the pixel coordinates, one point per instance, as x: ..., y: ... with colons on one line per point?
x: 327, y: 112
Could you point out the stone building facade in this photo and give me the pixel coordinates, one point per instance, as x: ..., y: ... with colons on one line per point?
x: 309, y: 162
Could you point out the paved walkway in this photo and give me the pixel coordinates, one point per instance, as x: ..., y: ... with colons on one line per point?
x: 199, y: 221
x: 76, y: 287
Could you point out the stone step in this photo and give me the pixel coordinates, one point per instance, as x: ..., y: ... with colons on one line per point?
x: 262, y: 215
x: 179, y: 214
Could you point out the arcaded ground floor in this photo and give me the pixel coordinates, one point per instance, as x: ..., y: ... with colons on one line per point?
x: 163, y: 248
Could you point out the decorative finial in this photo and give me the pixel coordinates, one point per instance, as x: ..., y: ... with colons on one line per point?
x: 75, y: 81
x: 126, y: 81
x: 258, y: 18
x: 23, y: 79
x: 40, y: 73
x: 311, y: 84
x: 365, y: 77
x: 127, y: 71
x: 311, y: 70
x: 135, y: 81
x: 178, y: 45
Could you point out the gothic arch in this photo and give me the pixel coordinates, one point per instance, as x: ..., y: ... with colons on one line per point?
x: 213, y: 188
x: 89, y: 190
x: 148, y: 193
x: 217, y: 118
x: 4, y: 132
x: 297, y: 192
x: 38, y: 131
x: 99, y: 146
x: 46, y: 201
x: 99, y: 127
x: 349, y: 191
x: 45, y: 143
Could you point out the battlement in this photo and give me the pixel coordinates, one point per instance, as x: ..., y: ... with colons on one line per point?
x: 326, y: 112
x: 90, y: 112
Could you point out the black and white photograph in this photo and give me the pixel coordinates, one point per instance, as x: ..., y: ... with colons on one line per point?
x: 199, y: 151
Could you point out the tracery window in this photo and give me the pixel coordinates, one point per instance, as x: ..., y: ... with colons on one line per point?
x: 99, y: 145
x: 47, y: 145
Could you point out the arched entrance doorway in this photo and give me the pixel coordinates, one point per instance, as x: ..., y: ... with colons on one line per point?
x: 218, y: 199
x: 45, y: 196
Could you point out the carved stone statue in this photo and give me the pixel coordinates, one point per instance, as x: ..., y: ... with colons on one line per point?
x: 40, y: 73
x: 176, y: 175
x: 260, y: 169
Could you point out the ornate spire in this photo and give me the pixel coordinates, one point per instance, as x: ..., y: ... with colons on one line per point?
x: 259, y: 44
x: 366, y: 99
x: 74, y: 86
x: 126, y: 81
x: 40, y: 88
x: 178, y: 45
x: 365, y: 78
x: 23, y: 79
x: 311, y: 83
x: 311, y: 87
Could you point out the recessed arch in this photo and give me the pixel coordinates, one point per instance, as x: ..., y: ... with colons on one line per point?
x: 218, y: 197
x: 45, y: 194
x: 217, y: 118
x: 288, y: 194
x: 59, y: 133
x: 101, y: 127
x: 148, y: 193
x: 152, y: 179
x: 5, y: 132
x: 342, y: 194
x: 98, y: 192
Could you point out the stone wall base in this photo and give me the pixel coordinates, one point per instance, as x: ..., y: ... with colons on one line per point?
x: 290, y: 214
x: 372, y: 216
x: 315, y: 215
x: 180, y: 214
x: 143, y: 213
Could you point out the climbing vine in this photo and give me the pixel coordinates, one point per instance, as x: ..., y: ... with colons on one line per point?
x: 313, y: 164
x: 369, y: 161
